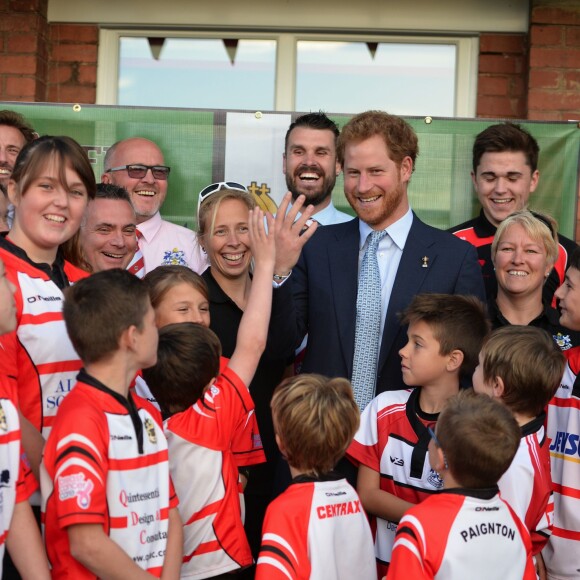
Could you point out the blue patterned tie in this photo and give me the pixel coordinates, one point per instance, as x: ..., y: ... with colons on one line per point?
x: 368, y: 324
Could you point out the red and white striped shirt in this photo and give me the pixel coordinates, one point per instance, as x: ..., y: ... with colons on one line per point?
x: 106, y: 462
x: 204, y: 471
x: 393, y: 440
x: 462, y: 534
x: 316, y: 530
x: 527, y: 484
x: 39, y: 353
x: 562, y: 553
x: 16, y: 480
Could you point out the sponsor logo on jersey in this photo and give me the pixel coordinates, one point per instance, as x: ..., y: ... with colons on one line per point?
x: 334, y: 493
x: 145, y: 539
x: 75, y: 485
x: 397, y: 461
x: 127, y: 498
x: 38, y: 298
x: 566, y: 443
x: 150, y: 429
x: 174, y: 257
x: 3, y: 421
x: 146, y: 519
x: 334, y: 510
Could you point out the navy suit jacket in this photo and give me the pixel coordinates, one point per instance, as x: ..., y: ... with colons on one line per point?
x: 321, y: 294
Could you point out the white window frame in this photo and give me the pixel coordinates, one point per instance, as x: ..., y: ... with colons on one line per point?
x: 467, y: 51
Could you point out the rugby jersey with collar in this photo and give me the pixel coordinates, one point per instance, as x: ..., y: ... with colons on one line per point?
x: 39, y: 352
x: 393, y: 440
x: 462, y: 534
x: 527, y: 484
x: 16, y: 480
x: 106, y: 462
x: 204, y: 471
x: 316, y: 529
x: 562, y: 552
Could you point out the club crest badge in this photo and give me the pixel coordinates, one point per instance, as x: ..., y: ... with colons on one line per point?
x: 435, y: 480
x: 563, y: 341
x: 174, y: 257
x: 150, y: 429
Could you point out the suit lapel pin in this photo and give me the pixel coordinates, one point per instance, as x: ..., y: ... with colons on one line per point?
x: 425, y: 262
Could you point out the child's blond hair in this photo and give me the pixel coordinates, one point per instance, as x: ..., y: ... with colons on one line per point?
x: 315, y: 419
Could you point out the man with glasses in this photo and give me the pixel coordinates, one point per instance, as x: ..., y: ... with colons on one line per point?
x: 137, y: 164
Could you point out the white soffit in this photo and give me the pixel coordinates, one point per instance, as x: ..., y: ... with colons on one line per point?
x: 455, y: 16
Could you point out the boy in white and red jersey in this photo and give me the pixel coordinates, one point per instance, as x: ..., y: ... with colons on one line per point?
x: 206, y: 407
x: 505, y: 373
x: 562, y: 554
x: 445, y: 336
x: 18, y: 529
x: 468, y: 530
x: 108, y: 504
x: 317, y: 529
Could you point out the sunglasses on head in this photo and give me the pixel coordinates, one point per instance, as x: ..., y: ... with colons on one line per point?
x: 207, y: 191
x: 138, y: 171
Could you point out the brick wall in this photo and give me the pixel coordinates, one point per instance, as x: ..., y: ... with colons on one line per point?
x: 45, y: 62
x: 72, y: 72
x: 554, y: 85
x: 502, y: 77
x: 23, y: 50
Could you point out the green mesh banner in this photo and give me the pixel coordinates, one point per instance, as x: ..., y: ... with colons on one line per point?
x: 203, y: 146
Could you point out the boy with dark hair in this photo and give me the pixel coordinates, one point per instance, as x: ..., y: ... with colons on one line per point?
x: 316, y: 528
x: 205, y: 409
x: 445, y: 336
x: 108, y: 503
x: 505, y: 174
x: 505, y: 373
x: 468, y: 530
x: 562, y: 553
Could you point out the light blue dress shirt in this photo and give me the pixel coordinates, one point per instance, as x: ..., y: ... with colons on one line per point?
x: 389, y: 255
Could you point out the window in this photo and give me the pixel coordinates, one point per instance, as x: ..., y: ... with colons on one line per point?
x: 259, y: 71
x: 206, y: 73
x: 406, y: 78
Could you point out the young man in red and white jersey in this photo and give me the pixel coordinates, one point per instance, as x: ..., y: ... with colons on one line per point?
x: 18, y: 529
x: 108, y: 503
x: 207, y: 408
x: 467, y: 530
x: 317, y: 528
x: 445, y: 336
x: 505, y: 373
x: 562, y: 554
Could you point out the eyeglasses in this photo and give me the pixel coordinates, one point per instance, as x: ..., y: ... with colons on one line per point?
x: 207, y: 191
x: 436, y: 441
x: 138, y: 171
